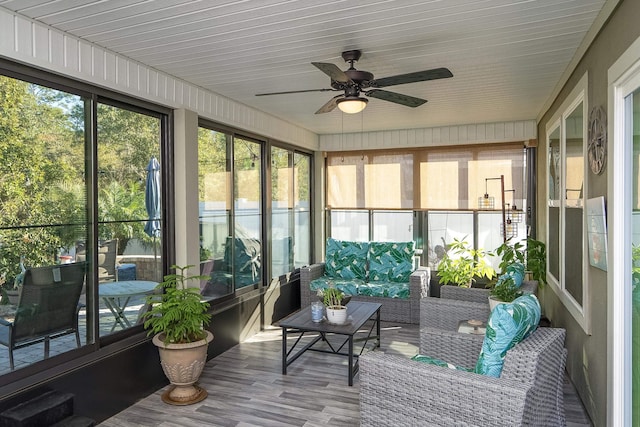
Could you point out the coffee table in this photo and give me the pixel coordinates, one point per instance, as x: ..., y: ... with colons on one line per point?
x: 358, y: 313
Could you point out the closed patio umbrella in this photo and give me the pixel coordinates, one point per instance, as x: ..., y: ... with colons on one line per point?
x: 152, y: 201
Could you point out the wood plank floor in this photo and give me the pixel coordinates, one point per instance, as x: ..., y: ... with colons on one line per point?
x: 246, y: 388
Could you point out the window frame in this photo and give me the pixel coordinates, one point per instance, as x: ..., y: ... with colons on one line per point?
x: 580, y: 312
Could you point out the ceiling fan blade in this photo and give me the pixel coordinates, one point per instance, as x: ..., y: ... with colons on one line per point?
x: 332, y: 71
x: 330, y: 105
x: 296, y: 91
x: 418, y: 76
x: 398, y: 98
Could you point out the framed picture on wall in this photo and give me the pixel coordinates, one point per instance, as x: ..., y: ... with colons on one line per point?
x: 597, y: 232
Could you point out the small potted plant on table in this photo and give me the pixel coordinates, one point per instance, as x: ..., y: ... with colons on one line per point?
x: 177, y: 318
x: 333, y: 300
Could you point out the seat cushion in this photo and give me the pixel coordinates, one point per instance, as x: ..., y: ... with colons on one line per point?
x: 348, y: 286
x: 384, y: 289
x: 391, y: 261
x: 346, y: 260
x: 508, y: 324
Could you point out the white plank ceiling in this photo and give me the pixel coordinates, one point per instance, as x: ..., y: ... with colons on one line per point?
x: 506, y: 55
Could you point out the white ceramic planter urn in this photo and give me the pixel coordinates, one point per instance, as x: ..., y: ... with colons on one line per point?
x: 183, y: 364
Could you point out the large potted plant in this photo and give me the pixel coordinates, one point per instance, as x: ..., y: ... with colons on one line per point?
x: 177, y: 318
x: 462, y: 265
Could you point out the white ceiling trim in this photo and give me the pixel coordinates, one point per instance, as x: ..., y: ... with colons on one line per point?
x: 31, y: 42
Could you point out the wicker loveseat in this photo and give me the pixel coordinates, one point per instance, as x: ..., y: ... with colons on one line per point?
x: 395, y: 390
x: 381, y: 272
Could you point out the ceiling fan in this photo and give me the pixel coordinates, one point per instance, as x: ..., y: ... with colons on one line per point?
x: 353, y: 83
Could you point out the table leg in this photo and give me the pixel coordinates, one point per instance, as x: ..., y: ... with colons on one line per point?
x: 284, y: 351
x: 118, y: 312
x: 350, y: 360
x: 378, y: 328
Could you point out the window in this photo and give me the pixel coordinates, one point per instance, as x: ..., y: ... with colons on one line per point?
x: 425, y: 194
x: 214, y: 174
x: 232, y: 189
x: 52, y: 159
x: 290, y: 211
x: 130, y: 223
x: 566, y: 167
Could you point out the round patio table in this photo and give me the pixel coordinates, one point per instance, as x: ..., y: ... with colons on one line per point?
x: 116, y: 296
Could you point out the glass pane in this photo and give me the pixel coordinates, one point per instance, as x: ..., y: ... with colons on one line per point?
x: 350, y: 225
x: 443, y: 228
x: 392, y: 226
x: 282, y: 211
x: 490, y: 235
x: 573, y: 220
x: 555, y: 173
x: 302, y: 210
x: 246, y: 249
x: 635, y: 256
x: 214, y: 183
x: 43, y: 213
x: 129, y: 215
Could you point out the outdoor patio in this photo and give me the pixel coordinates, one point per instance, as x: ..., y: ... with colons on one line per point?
x: 33, y: 353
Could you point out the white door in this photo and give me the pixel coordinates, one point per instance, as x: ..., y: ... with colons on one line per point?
x: 624, y: 216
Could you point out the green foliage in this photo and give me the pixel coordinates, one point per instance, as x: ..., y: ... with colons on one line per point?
x: 179, y: 312
x: 635, y: 265
x: 118, y: 203
x: 532, y: 255
x: 332, y: 296
x: 461, y: 265
x: 505, y: 290
x: 510, y: 254
x: 537, y: 260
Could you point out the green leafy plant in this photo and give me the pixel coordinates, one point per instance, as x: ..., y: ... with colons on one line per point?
x: 179, y: 312
x: 505, y: 290
x: 510, y: 254
x: 532, y: 255
x: 332, y: 296
x: 537, y: 260
x: 461, y: 265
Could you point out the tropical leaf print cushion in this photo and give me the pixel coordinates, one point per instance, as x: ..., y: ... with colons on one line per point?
x: 508, y: 325
x: 391, y: 261
x: 346, y: 260
x: 438, y: 362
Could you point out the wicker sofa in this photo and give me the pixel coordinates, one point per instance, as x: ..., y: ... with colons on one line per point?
x: 372, y: 274
x: 397, y: 391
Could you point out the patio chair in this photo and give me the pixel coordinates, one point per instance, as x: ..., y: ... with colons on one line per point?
x: 48, y: 308
x: 107, y: 259
x: 528, y: 391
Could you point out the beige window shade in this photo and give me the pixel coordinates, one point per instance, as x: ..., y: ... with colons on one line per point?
x: 428, y: 178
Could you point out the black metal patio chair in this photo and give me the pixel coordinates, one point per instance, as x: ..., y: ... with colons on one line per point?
x: 47, y: 308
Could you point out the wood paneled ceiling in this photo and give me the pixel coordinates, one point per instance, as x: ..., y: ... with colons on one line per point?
x: 506, y: 55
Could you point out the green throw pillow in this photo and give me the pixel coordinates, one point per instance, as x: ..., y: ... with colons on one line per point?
x: 508, y: 325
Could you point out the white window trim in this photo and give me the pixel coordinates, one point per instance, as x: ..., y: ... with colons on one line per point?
x: 581, y: 313
x: 623, y: 79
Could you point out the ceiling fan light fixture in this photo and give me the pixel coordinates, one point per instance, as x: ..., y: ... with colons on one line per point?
x: 352, y: 104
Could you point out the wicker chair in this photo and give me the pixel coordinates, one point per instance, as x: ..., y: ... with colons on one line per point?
x: 48, y: 307
x: 396, y: 391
